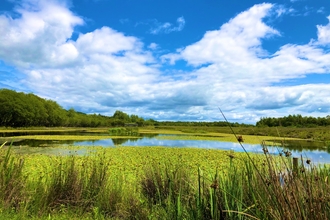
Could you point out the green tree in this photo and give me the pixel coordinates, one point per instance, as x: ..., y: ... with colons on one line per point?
x: 121, y: 116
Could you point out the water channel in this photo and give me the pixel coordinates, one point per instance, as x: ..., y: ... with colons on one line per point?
x: 315, y: 151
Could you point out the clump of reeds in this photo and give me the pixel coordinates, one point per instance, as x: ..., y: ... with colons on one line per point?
x: 167, y: 187
x: 11, y: 179
x: 289, y: 191
x: 279, y: 189
x: 77, y: 185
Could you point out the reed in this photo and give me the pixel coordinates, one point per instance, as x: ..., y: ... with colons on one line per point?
x: 11, y: 179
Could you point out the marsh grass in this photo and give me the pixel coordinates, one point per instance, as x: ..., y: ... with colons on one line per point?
x: 11, y: 179
x: 287, y: 194
x: 162, y: 183
x: 291, y: 195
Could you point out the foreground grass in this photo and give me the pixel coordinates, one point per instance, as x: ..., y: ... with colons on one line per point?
x: 161, y: 183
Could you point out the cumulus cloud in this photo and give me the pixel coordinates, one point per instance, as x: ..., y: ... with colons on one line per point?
x: 39, y: 36
x: 240, y: 36
x: 105, y: 70
x: 238, y: 73
x: 323, y: 33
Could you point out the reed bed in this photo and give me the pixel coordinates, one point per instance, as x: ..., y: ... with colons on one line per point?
x: 161, y: 183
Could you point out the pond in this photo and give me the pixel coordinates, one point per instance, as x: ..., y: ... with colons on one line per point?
x: 318, y: 153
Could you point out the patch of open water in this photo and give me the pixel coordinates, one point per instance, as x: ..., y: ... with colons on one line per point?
x: 316, y: 154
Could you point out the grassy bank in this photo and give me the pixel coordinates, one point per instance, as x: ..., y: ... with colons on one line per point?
x: 250, y: 139
x: 161, y: 183
x: 314, y: 133
x: 183, y: 133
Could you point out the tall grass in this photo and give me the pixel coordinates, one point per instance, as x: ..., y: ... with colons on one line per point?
x: 242, y: 193
x: 78, y: 185
x: 289, y: 193
x: 11, y: 180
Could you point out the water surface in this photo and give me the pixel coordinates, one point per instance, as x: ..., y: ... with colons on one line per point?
x: 317, y: 152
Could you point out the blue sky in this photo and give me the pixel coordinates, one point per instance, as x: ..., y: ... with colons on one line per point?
x: 171, y: 59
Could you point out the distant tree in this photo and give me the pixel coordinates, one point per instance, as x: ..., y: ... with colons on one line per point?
x: 294, y: 121
x: 121, y: 116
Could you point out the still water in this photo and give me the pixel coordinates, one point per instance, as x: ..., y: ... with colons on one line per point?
x: 318, y: 153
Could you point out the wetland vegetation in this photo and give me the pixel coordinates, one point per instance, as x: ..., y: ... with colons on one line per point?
x: 161, y: 183
x: 158, y: 182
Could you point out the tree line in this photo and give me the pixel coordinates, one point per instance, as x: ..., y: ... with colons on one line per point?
x: 294, y: 121
x: 201, y: 124
x: 18, y: 109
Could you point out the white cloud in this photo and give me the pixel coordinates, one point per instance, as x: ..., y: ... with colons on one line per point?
x: 323, y: 33
x: 238, y: 74
x: 281, y: 10
x: 168, y: 27
x: 234, y: 53
x: 39, y: 36
x: 153, y: 46
x: 105, y: 40
x: 301, y: 99
x: 241, y: 35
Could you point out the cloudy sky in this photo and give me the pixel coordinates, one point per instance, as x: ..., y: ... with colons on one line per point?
x: 171, y: 59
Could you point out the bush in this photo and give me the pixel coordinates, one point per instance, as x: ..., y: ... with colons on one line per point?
x: 121, y: 131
